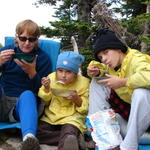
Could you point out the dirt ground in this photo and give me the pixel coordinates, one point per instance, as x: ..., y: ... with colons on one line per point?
x: 11, y: 139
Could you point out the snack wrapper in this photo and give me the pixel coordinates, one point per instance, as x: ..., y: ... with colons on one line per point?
x: 105, y: 129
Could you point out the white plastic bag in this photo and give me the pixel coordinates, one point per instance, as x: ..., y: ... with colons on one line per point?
x: 105, y: 129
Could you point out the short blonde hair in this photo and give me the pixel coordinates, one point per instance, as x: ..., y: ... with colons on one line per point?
x: 29, y: 26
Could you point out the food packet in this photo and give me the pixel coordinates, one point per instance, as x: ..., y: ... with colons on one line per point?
x: 105, y: 129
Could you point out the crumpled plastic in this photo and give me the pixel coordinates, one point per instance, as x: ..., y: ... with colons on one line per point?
x: 105, y: 129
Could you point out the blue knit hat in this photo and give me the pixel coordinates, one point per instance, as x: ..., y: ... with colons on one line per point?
x: 70, y: 60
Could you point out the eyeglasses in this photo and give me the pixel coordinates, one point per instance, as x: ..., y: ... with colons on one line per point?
x: 24, y: 39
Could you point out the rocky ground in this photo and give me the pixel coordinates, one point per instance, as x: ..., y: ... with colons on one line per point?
x: 11, y: 139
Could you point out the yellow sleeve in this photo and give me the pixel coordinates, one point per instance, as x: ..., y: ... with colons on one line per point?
x: 84, y: 94
x: 98, y: 65
x: 141, y: 75
x: 43, y: 95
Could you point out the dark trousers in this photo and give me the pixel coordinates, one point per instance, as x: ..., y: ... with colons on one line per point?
x: 55, y: 134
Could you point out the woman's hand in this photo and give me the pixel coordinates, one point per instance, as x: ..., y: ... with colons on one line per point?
x: 46, y: 83
x: 75, y: 98
x: 6, y: 55
x: 29, y: 68
x: 113, y: 82
x: 93, y: 71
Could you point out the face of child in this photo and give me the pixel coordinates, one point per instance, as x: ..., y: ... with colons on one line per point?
x: 110, y: 57
x: 65, y: 75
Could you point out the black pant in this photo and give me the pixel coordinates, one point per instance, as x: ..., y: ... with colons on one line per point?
x: 55, y: 134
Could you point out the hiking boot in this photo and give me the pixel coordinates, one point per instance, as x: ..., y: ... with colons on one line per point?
x: 115, y: 148
x: 71, y: 143
x: 31, y: 143
x: 90, y: 144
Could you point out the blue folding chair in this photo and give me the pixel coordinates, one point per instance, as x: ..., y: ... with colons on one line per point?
x: 52, y: 48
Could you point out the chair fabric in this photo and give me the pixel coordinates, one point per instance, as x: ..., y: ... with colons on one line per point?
x: 9, y: 125
x: 52, y: 48
x: 144, y: 147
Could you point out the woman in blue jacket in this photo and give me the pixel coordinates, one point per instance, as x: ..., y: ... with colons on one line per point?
x: 20, y: 81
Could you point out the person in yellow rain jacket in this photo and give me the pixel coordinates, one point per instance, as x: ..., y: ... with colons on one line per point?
x: 125, y: 87
x: 63, y: 121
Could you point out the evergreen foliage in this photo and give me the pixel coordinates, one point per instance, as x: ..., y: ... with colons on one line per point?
x: 75, y: 18
x: 1, y: 45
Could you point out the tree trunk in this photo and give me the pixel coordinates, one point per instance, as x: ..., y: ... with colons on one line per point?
x: 144, y: 46
x: 84, y: 11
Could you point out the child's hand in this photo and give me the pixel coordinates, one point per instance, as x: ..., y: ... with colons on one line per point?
x: 46, y: 83
x: 75, y: 98
x: 93, y: 71
x: 113, y: 82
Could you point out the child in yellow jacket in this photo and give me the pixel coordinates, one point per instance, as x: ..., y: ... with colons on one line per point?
x: 121, y: 80
x: 65, y: 93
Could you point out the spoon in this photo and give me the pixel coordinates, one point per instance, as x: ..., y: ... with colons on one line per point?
x: 61, y: 82
x: 105, y: 71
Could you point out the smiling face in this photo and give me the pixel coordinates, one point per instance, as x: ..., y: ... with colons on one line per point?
x: 111, y: 57
x: 66, y: 76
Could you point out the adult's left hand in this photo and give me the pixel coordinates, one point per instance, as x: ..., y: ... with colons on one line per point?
x: 29, y: 68
x: 114, y: 82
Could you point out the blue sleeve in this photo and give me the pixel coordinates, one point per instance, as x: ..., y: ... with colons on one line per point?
x: 43, y: 68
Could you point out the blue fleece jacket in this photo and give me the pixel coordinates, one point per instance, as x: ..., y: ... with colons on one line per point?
x: 14, y: 80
